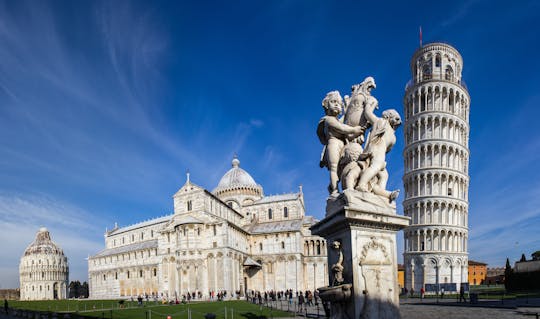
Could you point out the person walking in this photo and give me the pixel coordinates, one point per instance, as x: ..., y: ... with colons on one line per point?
x: 6, y: 306
x: 462, y: 295
x: 422, y: 293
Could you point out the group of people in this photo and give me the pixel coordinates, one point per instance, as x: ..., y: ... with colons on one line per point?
x: 307, y: 298
x: 184, y: 298
x: 440, y: 293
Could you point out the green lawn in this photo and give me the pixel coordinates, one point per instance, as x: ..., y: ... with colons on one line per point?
x: 108, y: 308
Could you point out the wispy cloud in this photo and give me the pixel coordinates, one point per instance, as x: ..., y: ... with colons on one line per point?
x: 71, y: 227
x: 461, y: 12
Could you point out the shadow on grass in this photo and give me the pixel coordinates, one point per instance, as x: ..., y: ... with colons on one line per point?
x: 251, y: 315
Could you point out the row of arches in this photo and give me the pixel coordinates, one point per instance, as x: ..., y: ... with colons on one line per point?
x: 37, y: 275
x: 438, y: 60
x: 429, y: 183
x: 442, y: 154
x: 436, y: 126
x: 137, y: 254
x: 46, y: 262
x: 437, y: 212
x: 130, y: 281
x: 239, y: 190
x: 435, y: 239
x: 439, y: 97
x: 435, y: 261
x: 315, y: 247
x: 49, y: 291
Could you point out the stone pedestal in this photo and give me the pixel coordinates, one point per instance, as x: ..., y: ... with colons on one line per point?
x: 366, y: 226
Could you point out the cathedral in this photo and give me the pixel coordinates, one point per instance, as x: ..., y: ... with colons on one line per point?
x: 233, y: 239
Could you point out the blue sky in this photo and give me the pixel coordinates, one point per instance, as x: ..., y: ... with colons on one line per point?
x: 105, y: 105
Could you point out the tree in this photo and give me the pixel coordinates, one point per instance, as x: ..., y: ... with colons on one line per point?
x: 74, y: 289
x: 523, y: 258
x: 507, y: 275
x: 536, y: 255
x: 84, y: 292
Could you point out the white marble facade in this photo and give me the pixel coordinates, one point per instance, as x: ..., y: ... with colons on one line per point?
x: 436, y: 176
x: 232, y: 239
x: 43, y: 270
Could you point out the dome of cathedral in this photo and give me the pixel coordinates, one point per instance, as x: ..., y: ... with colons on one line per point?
x: 43, y: 244
x: 237, y: 182
x: 236, y: 177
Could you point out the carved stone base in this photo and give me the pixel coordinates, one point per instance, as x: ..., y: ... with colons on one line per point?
x: 360, y: 201
x: 366, y: 228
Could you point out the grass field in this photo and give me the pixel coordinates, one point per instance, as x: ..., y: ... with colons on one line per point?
x: 110, y: 309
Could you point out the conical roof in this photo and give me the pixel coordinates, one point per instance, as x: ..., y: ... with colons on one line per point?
x: 43, y: 244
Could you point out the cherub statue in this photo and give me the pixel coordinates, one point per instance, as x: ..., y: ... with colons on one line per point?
x: 349, y: 165
x: 333, y: 133
x: 380, y: 141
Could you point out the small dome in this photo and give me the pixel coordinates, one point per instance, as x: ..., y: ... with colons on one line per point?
x: 43, y: 244
x: 236, y: 177
x: 237, y: 182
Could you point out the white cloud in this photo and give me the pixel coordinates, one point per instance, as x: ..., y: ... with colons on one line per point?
x: 71, y: 228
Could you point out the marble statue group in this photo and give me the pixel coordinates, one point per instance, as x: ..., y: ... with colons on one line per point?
x: 356, y: 141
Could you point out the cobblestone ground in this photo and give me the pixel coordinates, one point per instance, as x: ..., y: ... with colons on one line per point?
x: 419, y: 311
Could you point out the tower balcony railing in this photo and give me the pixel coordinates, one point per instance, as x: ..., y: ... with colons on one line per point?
x: 435, y: 76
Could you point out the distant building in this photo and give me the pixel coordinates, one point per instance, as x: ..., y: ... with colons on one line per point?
x: 44, y: 270
x: 232, y: 239
x: 477, y: 272
x: 10, y: 294
x: 495, y: 276
x: 401, y: 276
x: 528, y: 265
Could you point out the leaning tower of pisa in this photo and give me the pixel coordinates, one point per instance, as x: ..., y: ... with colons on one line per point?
x: 436, y: 180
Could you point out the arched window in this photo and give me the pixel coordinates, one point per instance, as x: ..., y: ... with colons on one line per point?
x: 260, y: 246
x: 285, y: 212
x: 189, y: 205
x: 155, y: 272
x: 426, y: 72
x: 282, y: 245
x: 215, y: 231
x: 128, y: 274
x: 449, y: 73
x: 116, y: 276
x: 140, y: 273
x: 269, y: 213
x: 438, y: 61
